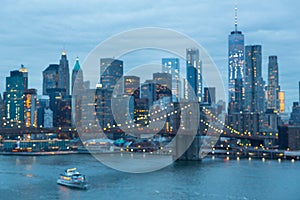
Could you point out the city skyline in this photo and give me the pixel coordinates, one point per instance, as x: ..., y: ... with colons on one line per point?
x: 80, y: 34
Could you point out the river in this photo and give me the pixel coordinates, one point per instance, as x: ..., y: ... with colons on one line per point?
x: 34, y: 177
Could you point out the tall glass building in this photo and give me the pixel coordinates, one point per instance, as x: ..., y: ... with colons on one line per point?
x: 111, y: 70
x: 194, y: 72
x: 254, y: 84
x: 14, y: 100
x: 172, y: 66
x: 273, y: 84
x: 50, y: 78
x: 64, y: 73
x: 235, y: 59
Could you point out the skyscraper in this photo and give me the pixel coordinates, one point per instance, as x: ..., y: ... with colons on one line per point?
x: 111, y: 70
x: 24, y: 71
x: 254, y: 84
x: 30, y: 113
x: 63, y: 73
x: 77, y: 76
x: 14, y: 100
x: 132, y: 86
x: 163, y: 84
x: 77, y: 94
x: 273, y: 84
x: 50, y: 78
x: 148, y: 90
x: 172, y: 66
x: 235, y: 59
x: 194, y: 72
x: 209, y: 95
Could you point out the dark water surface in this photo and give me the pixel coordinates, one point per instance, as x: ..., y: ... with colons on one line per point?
x: 34, y: 177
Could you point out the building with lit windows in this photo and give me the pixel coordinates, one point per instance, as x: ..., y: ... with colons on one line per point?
x: 132, y: 86
x: 78, y: 92
x: 50, y: 78
x: 30, y: 112
x: 111, y: 70
x: 254, y: 84
x: 273, y: 88
x: 281, y: 97
x: 209, y: 95
x: 194, y: 73
x: 172, y: 66
x: 14, y: 100
x: 235, y: 59
x: 64, y: 73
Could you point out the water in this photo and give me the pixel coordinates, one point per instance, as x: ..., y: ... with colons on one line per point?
x: 26, y: 177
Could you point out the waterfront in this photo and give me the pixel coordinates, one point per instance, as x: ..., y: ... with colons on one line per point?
x: 34, y: 177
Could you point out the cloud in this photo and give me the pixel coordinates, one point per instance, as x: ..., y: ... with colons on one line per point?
x: 34, y: 32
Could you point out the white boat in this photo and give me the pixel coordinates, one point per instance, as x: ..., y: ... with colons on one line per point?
x: 72, y: 178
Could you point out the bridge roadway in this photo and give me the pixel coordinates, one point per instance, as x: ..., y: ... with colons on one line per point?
x: 65, y: 132
x: 71, y: 132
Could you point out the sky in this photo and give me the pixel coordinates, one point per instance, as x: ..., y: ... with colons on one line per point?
x: 34, y: 32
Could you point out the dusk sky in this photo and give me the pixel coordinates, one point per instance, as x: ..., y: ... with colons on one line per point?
x: 35, y: 32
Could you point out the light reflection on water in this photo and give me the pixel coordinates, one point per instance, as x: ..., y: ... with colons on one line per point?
x: 35, y: 178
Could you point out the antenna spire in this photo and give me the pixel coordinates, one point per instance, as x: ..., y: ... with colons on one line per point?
x: 235, y: 16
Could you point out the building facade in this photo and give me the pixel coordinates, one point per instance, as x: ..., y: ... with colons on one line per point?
x: 254, y: 84
x: 273, y: 84
x: 194, y: 72
x: 64, y: 73
x: 50, y: 78
x: 172, y: 66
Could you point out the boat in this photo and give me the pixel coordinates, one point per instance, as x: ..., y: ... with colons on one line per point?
x: 72, y: 178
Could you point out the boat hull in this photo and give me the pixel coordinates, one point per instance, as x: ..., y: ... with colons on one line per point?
x: 79, y: 185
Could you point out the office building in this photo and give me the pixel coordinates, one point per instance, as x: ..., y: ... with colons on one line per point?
x: 209, y: 95
x: 194, y: 73
x: 235, y: 60
x: 14, y: 99
x: 30, y: 112
x: 50, y: 78
x: 254, y: 84
x: 132, y: 86
x: 63, y: 73
x: 172, y: 66
x: 111, y: 70
x: 273, y: 88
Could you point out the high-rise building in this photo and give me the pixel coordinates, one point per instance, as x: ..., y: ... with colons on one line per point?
x: 48, y: 118
x: 235, y: 59
x: 111, y: 70
x: 77, y: 76
x: 24, y: 71
x: 14, y: 100
x: 78, y: 91
x: 50, y: 78
x: 254, y: 84
x: 56, y: 95
x: 103, y: 99
x: 209, y: 95
x: 194, y: 72
x: 132, y: 86
x: 172, y: 66
x: 63, y: 73
x: 163, y: 84
x: 30, y: 111
x: 148, y: 91
x: 281, y: 97
x: 273, y: 84
x: 41, y: 105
